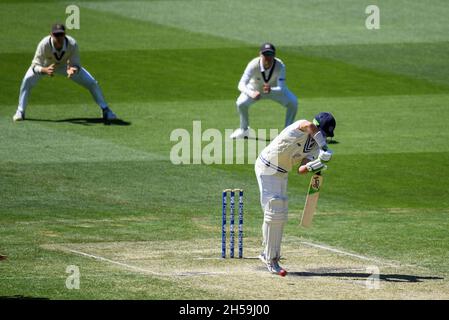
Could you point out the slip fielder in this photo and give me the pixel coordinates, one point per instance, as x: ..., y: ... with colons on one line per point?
x: 264, y: 78
x: 59, y: 53
x: 302, y: 142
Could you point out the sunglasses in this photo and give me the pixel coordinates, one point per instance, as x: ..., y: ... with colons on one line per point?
x: 58, y: 35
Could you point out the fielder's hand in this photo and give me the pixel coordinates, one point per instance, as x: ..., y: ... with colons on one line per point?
x: 71, y: 71
x: 255, y: 95
x: 50, y: 70
x: 325, y: 156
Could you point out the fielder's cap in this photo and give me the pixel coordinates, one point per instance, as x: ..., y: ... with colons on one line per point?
x: 57, y: 28
x: 268, y: 49
x: 326, y: 123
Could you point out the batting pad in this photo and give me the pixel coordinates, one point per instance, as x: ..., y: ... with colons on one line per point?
x: 276, y: 210
x: 273, y: 231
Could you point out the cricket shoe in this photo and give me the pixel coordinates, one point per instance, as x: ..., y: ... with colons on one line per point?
x: 263, y: 258
x: 19, y: 116
x: 240, y: 134
x: 273, y: 265
x: 108, y: 115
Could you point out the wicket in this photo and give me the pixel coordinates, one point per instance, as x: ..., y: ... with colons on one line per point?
x: 231, y: 222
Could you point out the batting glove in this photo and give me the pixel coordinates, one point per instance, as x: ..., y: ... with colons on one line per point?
x: 315, y: 166
x: 325, y: 156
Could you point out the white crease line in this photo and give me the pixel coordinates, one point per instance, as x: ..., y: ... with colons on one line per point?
x: 199, y: 273
x: 117, y: 263
x: 349, y: 254
x: 227, y: 258
x: 182, y: 274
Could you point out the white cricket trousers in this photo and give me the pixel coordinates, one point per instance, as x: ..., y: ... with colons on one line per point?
x: 284, y: 97
x: 83, y: 78
x: 271, y: 184
x: 273, y: 200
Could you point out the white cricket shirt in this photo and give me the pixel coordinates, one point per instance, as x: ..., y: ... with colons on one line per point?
x: 46, y: 54
x: 289, y: 148
x: 253, y: 78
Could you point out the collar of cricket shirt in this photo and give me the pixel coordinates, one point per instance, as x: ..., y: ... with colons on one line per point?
x: 262, y: 70
x: 58, y: 53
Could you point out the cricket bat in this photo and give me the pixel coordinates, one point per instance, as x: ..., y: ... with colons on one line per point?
x: 311, y: 200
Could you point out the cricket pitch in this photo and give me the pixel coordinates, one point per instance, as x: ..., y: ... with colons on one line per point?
x: 315, y: 272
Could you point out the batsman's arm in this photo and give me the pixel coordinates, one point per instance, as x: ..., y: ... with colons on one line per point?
x: 312, y: 129
x: 308, y: 127
x: 314, y: 166
x: 302, y: 168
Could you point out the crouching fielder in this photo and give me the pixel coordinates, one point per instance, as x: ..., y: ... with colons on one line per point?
x: 302, y: 142
x: 264, y: 78
x: 58, y: 53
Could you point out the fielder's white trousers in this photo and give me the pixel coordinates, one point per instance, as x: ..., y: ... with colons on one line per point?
x: 83, y: 78
x: 284, y: 97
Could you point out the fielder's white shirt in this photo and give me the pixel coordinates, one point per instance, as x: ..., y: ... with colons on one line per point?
x: 46, y: 54
x: 289, y: 148
x: 253, y: 79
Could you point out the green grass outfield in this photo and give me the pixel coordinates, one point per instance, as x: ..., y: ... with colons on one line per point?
x: 108, y: 200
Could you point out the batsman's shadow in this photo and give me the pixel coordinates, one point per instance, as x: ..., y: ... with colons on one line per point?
x: 406, y: 278
x: 85, y: 121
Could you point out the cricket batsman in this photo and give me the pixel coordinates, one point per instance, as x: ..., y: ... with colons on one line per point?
x: 59, y: 53
x: 302, y: 142
x: 264, y: 78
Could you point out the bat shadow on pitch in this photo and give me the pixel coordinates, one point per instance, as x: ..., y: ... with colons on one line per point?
x: 86, y: 121
x: 406, y: 278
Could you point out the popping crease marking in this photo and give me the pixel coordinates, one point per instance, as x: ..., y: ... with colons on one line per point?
x: 128, y: 266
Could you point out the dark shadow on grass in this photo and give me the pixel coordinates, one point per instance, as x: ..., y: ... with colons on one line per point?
x: 364, y: 276
x: 85, y: 121
x: 20, y: 297
x: 333, y: 142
